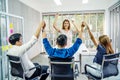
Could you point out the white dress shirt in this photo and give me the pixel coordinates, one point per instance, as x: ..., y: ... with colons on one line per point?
x: 21, y: 52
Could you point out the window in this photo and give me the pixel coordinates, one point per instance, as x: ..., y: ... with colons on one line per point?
x: 95, y: 19
x: 115, y: 25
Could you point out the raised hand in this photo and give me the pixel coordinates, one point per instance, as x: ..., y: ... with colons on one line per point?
x: 40, y: 28
x: 73, y: 21
x: 56, y: 15
x: 83, y: 24
x: 43, y: 25
x: 55, y: 23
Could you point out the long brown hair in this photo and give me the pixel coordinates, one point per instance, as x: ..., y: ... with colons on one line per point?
x: 66, y: 20
x: 106, y: 42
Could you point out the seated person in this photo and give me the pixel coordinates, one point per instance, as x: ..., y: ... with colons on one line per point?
x: 19, y: 49
x: 104, y: 47
x: 61, y: 51
x: 61, y: 42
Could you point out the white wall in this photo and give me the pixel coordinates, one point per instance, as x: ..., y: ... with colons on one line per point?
x: 31, y: 22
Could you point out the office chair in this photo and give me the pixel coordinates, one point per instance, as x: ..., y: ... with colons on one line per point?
x: 109, y: 67
x: 17, y: 69
x: 63, y: 69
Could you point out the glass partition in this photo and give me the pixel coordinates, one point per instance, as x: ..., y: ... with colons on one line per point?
x: 9, y: 24
x: 2, y: 8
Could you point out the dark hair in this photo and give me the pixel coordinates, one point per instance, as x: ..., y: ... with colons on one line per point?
x: 14, y: 38
x: 62, y: 40
x: 66, y: 20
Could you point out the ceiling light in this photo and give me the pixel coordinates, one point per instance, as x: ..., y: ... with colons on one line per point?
x: 58, y: 2
x: 84, y: 1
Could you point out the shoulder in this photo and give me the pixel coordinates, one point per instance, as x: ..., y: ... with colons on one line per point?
x: 13, y: 51
x: 101, y: 48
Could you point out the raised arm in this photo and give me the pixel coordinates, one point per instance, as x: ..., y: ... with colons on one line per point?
x: 77, y: 30
x: 91, y: 35
x: 46, y: 44
x: 33, y: 40
x: 40, y: 27
x: 55, y: 22
x: 80, y: 32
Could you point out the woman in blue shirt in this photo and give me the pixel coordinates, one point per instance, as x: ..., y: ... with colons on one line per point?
x: 103, y: 47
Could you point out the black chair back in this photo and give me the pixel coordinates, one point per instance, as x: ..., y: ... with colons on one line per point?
x: 109, y: 65
x: 61, y: 69
x: 16, y: 66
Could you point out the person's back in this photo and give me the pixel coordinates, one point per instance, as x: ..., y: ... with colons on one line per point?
x: 104, y: 47
x: 61, y: 42
x: 62, y: 52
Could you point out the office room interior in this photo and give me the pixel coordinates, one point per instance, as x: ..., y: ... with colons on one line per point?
x: 100, y: 17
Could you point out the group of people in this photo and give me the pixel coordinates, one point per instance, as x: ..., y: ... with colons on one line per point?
x: 64, y: 49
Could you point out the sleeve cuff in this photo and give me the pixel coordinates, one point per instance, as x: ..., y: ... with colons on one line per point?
x: 44, y: 40
x: 79, y: 40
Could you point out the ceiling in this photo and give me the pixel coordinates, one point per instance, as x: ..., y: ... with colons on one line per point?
x: 68, y: 5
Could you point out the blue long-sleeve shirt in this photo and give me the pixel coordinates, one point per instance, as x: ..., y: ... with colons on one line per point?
x: 99, y: 56
x: 61, y: 53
